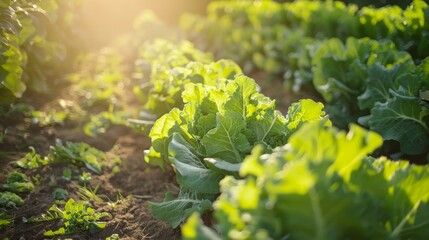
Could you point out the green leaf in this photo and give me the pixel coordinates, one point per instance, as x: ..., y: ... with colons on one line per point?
x: 380, y: 81
x: 306, y: 110
x: 403, y: 120
x: 311, y: 188
x: 191, y: 172
x: 226, y: 141
x: 221, y: 166
x: 240, y: 92
x: 194, y: 229
x: 10, y: 200
x: 176, y: 211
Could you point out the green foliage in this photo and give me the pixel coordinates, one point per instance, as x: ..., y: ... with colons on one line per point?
x: 210, y: 137
x: 281, y: 38
x: 67, y: 174
x: 28, y: 45
x: 60, y: 194
x: 31, y: 160
x: 85, y: 178
x: 18, y: 183
x: 386, y: 85
x: 5, y: 220
x: 171, y: 67
x: 100, y: 122
x: 10, y: 200
x: 48, y: 118
x: 99, y: 80
x: 113, y: 237
x: 77, y: 153
x: 408, y: 28
x: 321, y: 186
x: 341, y: 72
x: 76, y: 216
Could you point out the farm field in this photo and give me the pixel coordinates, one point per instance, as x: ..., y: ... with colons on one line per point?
x: 228, y: 120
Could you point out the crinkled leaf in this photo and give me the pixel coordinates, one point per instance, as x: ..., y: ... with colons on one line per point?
x: 403, y: 120
x: 226, y: 141
x: 380, y: 80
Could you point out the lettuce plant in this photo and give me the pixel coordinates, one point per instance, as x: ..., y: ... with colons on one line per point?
x: 211, y: 136
x: 321, y: 185
x: 373, y: 83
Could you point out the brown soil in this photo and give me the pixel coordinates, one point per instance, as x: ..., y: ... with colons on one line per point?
x: 131, y: 188
x: 130, y: 219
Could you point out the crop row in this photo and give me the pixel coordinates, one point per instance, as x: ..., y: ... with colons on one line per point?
x: 308, y: 183
x: 370, y: 67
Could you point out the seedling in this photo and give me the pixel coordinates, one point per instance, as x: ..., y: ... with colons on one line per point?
x: 48, y: 118
x: 10, y: 200
x: 18, y: 183
x: 67, y: 174
x: 5, y: 220
x: 77, y: 153
x: 85, y: 178
x: 31, y: 160
x: 76, y: 216
x: 113, y: 237
x: 60, y: 194
x: 89, y: 194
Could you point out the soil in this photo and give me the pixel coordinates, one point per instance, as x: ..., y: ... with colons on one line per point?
x: 130, y: 218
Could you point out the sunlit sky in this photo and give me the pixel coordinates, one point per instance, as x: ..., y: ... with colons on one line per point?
x: 106, y: 19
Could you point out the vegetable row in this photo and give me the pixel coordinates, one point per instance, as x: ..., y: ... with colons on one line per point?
x: 370, y: 68
x: 304, y: 179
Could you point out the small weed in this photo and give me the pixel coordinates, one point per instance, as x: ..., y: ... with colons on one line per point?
x: 89, y: 194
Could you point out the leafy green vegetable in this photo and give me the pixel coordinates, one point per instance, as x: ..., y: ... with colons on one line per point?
x: 114, y: 236
x: 18, y: 183
x: 60, y: 194
x: 172, y: 67
x: 48, y: 118
x: 29, y: 43
x: 100, y: 79
x: 213, y: 133
x: 31, y: 160
x: 280, y: 38
x: 5, y: 220
x: 312, y: 187
x: 386, y: 85
x: 67, y: 174
x: 77, y: 153
x: 341, y: 71
x: 10, y: 200
x: 77, y: 217
x: 100, y: 122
